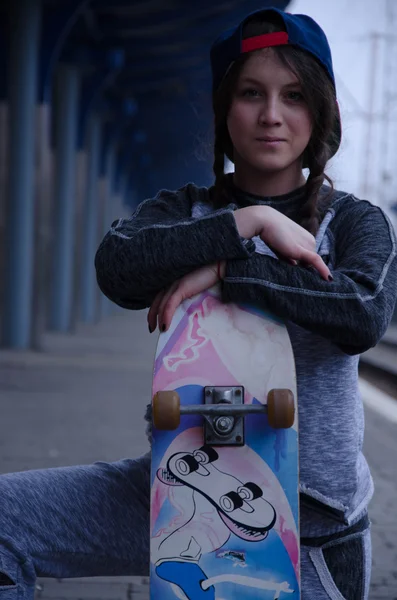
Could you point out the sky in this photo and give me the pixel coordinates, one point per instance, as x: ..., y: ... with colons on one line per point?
x: 366, y: 74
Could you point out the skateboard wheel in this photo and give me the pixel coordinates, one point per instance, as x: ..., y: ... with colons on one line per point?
x: 250, y: 491
x: 280, y: 409
x: 166, y: 410
x: 186, y: 465
x: 205, y: 455
x: 231, y: 501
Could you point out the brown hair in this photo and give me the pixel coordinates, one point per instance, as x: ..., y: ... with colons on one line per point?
x: 320, y: 96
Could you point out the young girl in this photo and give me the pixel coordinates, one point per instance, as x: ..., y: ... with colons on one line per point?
x: 321, y: 259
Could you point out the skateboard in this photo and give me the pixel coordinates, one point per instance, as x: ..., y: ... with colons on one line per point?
x: 224, y: 478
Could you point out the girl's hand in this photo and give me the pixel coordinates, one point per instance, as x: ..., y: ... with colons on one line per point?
x: 286, y: 238
x: 167, y: 301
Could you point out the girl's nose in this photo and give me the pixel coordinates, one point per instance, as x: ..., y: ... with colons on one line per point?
x: 270, y: 113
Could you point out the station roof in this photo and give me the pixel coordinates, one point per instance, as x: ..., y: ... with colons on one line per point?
x: 143, y: 59
x: 165, y: 43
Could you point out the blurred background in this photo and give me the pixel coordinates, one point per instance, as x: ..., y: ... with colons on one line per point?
x: 103, y: 103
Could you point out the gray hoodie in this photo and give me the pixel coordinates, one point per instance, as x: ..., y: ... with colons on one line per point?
x: 330, y: 323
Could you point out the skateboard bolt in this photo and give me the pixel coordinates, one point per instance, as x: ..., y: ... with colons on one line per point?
x: 224, y: 425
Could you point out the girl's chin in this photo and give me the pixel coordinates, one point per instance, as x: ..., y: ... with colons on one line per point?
x: 271, y: 167
x: 274, y: 164
x: 269, y: 164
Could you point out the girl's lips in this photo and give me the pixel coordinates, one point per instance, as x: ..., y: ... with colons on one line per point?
x: 270, y: 143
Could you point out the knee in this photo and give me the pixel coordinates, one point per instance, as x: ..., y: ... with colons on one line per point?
x: 8, y: 567
x: 5, y: 579
x: 15, y: 565
x: 17, y: 575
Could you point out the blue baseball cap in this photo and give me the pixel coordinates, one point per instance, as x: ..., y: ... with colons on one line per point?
x: 301, y: 31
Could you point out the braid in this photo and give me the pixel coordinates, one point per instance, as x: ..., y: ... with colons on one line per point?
x: 219, y: 171
x: 309, y: 213
x: 316, y: 158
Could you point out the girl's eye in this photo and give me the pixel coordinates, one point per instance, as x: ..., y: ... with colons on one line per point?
x: 250, y: 93
x: 295, y: 96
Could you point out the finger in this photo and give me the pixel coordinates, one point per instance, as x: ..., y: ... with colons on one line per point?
x: 315, y: 260
x: 169, y: 308
x: 172, y: 290
x: 186, y: 287
x: 287, y: 259
x: 153, y: 311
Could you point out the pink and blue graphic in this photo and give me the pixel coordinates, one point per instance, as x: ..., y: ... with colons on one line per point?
x: 224, y: 520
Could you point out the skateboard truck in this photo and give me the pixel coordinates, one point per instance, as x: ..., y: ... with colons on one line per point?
x: 224, y: 411
x: 224, y: 427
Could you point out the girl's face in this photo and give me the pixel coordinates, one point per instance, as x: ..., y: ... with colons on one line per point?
x: 269, y: 122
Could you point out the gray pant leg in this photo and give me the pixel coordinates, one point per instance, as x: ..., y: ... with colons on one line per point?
x: 339, y: 569
x: 74, y: 522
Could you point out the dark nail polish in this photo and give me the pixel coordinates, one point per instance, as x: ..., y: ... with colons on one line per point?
x: 150, y: 329
x: 330, y: 278
x: 163, y: 328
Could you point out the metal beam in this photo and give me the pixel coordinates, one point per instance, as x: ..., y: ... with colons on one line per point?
x: 91, y: 224
x: 166, y: 82
x: 126, y: 8
x: 86, y: 56
x: 19, y: 230
x: 94, y: 85
x: 56, y: 25
x: 3, y: 54
x: 184, y: 26
x: 171, y: 19
x: 114, y: 129
x: 65, y: 200
x: 146, y: 48
x: 171, y: 64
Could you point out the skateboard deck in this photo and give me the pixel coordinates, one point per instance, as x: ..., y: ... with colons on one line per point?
x: 224, y: 488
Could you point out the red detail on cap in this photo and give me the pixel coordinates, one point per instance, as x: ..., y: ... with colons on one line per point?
x: 279, y: 38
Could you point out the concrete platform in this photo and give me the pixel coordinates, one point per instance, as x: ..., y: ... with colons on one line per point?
x: 83, y: 400
x: 384, y: 355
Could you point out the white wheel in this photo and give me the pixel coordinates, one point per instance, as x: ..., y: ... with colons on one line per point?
x: 205, y: 455
x: 186, y: 465
x: 231, y: 501
x: 250, y: 491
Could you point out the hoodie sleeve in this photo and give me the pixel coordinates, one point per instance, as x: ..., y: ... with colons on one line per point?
x: 162, y: 242
x: 355, y: 309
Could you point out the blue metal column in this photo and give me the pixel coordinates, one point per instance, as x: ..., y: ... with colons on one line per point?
x: 91, y: 228
x: 19, y: 243
x: 65, y: 205
x: 105, y: 304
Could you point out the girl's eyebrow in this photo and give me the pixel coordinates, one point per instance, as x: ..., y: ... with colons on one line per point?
x: 250, y: 80
x: 253, y: 81
x: 294, y: 84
